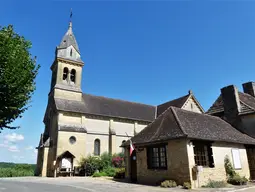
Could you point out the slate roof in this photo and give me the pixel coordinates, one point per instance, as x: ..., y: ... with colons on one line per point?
x: 179, y: 102
x: 247, y: 104
x: 179, y: 123
x: 69, y: 39
x: 97, y: 105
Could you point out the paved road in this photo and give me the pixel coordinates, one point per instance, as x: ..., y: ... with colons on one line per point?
x: 11, y: 186
x: 82, y: 184
x: 67, y: 184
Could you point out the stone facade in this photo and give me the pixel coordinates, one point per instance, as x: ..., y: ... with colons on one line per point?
x: 181, y: 163
x: 192, y: 105
x: 177, y: 165
x: 220, y: 151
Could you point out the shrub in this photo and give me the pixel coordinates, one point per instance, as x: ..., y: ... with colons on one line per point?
x: 96, y: 174
x: 119, y: 155
x: 168, y: 184
x: 91, y: 164
x: 237, y: 180
x: 99, y: 174
x: 186, y: 185
x: 109, y: 171
x: 118, y: 161
x: 106, y: 163
x: 233, y: 177
x: 228, y: 167
x: 106, y: 160
x: 215, y: 184
x: 119, y: 173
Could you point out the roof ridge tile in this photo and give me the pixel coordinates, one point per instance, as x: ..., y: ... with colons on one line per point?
x: 177, y: 120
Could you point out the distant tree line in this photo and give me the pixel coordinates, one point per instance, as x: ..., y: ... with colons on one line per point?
x: 16, y: 170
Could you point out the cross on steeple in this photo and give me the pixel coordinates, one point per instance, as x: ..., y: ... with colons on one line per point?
x: 71, y: 15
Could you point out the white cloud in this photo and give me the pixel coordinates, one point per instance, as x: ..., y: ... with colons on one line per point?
x: 4, y: 144
x: 17, y: 157
x: 14, y: 137
x: 13, y: 148
x: 29, y: 148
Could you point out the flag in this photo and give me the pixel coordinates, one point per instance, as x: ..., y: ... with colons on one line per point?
x: 132, y: 148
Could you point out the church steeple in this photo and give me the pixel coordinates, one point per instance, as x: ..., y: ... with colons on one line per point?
x: 69, y: 39
x: 68, y: 47
x: 67, y: 67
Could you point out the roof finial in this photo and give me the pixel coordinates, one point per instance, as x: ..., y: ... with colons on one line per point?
x: 71, y: 15
x: 70, y: 22
x: 190, y: 92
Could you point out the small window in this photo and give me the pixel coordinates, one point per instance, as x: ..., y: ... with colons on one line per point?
x: 203, y: 154
x: 72, y: 140
x: 65, y: 73
x: 73, y: 74
x: 157, y: 158
x: 71, y: 53
x: 236, y: 159
x: 191, y: 106
x: 97, y: 147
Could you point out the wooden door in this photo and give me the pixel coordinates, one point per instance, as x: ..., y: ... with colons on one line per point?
x: 133, y: 167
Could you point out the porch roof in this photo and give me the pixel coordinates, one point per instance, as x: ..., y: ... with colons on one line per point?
x: 66, y: 154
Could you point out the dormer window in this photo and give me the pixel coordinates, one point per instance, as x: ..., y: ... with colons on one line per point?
x: 71, y: 53
x: 65, y: 73
x: 73, y: 75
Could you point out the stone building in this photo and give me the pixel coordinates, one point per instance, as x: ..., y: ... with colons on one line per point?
x: 187, y: 147
x: 238, y: 109
x: 78, y: 124
x: 190, y: 147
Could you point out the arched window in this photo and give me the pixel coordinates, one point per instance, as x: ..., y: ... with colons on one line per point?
x: 65, y: 73
x: 123, y: 149
x: 71, y: 53
x: 73, y: 74
x: 97, y: 147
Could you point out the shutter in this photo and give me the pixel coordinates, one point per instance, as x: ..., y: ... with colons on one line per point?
x: 236, y: 159
x: 210, y: 156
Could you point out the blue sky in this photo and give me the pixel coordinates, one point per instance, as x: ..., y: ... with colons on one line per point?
x: 142, y: 51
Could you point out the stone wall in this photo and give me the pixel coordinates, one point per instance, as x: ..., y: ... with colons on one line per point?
x: 177, y: 165
x: 78, y: 149
x: 191, y: 105
x: 220, y: 150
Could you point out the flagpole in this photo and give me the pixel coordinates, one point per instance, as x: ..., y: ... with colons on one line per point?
x: 132, y: 147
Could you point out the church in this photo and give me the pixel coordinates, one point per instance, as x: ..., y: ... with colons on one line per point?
x: 79, y: 124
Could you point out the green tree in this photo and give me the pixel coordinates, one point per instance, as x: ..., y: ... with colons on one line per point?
x: 18, y: 71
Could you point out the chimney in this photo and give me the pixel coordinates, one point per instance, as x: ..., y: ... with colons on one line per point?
x: 249, y: 88
x: 232, y: 105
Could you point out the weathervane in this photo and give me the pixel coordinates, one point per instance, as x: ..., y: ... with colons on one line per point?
x: 71, y: 15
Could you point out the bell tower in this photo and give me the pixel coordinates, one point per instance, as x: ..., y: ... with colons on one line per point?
x: 67, y: 68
